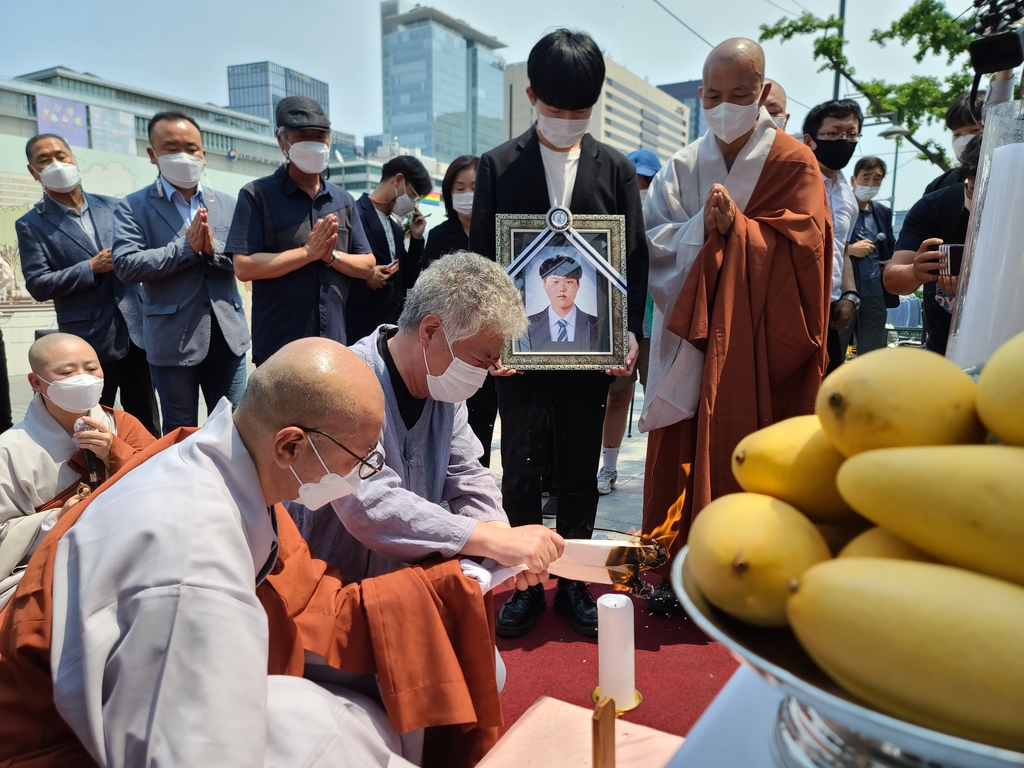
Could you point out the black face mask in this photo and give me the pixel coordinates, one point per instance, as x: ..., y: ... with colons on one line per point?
x: 834, y: 155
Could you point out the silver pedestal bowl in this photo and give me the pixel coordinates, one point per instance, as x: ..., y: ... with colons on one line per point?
x: 819, y: 725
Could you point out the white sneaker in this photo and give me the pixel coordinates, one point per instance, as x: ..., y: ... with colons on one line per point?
x: 607, y: 479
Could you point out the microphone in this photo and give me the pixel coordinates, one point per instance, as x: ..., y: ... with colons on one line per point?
x: 90, y: 458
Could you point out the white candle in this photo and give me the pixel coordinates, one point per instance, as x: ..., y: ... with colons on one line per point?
x: 616, y: 662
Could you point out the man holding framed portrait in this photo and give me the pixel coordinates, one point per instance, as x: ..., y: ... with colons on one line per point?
x: 558, y: 403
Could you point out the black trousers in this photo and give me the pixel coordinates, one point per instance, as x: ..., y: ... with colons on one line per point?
x: 483, y: 408
x: 836, y: 344
x: 559, y: 410
x: 869, y: 324
x: 131, y: 375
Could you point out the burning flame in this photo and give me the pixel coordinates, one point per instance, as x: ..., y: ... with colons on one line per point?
x: 666, y: 533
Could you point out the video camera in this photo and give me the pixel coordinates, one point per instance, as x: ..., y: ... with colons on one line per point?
x: 1000, y: 42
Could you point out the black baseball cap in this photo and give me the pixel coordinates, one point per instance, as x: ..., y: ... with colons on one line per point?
x: 295, y: 113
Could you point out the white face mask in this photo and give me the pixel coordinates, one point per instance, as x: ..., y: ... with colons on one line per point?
x: 76, y: 394
x: 310, y: 156
x: 60, y: 177
x: 462, y: 202
x: 865, y: 193
x: 403, y: 206
x: 328, y: 488
x: 730, y: 121
x: 780, y: 120
x: 181, y: 169
x: 459, y: 382
x: 560, y: 132
x: 960, y: 144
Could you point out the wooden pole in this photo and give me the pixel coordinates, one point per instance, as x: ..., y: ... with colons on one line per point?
x: 604, y: 733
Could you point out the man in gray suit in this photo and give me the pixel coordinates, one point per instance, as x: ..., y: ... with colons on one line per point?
x: 65, y: 245
x: 563, y: 327
x: 170, y: 237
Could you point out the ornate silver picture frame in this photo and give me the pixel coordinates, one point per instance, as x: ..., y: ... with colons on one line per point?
x: 571, y: 273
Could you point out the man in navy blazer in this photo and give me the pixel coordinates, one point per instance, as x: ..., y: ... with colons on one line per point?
x: 170, y: 238
x: 65, y: 243
x: 379, y: 300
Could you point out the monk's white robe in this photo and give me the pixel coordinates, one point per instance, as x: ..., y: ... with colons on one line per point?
x: 34, y: 469
x: 159, y: 643
x: 674, y: 220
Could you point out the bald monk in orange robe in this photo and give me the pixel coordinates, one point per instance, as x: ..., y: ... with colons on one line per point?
x: 91, y: 672
x: 741, y: 252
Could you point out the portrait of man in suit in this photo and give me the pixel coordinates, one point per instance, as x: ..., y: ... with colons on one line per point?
x: 563, y: 327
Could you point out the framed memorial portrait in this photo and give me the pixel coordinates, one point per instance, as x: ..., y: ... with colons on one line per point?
x: 571, y: 273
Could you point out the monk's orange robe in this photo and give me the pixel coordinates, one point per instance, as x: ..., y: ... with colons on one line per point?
x: 427, y: 632
x: 756, y: 303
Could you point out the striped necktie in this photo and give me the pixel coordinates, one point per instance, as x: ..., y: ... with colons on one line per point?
x: 563, y: 334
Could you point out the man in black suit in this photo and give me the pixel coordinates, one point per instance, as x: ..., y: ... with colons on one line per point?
x: 556, y: 162
x: 563, y: 327
x: 379, y: 299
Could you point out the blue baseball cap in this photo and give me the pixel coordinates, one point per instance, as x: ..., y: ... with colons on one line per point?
x: 646, y: 162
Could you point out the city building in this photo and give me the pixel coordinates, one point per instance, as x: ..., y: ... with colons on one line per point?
x: 442, y: 82
x: 372, y: 143
x: 687, y: 93
x: 256, y: 88
x: 363, y: 174
x: 630, y: 114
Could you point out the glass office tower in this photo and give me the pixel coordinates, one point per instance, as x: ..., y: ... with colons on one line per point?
x: 442, y: 82
x: 257, y: 88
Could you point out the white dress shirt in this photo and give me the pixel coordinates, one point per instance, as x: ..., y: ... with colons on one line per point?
x: 843, y: 205
x: 570, y: 324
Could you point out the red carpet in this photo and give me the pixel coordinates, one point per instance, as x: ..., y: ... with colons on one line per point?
x: 678, y: 670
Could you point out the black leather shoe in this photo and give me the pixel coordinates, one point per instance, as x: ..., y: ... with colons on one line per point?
x: 663, y: 600
x: 520, y: 611
x: 574, y: 601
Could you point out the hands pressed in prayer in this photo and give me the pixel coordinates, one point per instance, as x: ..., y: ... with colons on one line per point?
x: 196, y: 232
x: 632, y: 350
x: 719, y: 211
x: 98, y: 440
x: 322, y: 238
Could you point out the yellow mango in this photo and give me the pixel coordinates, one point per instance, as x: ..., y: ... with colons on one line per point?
x: 794, y: 461
x: 930, y: 644
x: 898, y: 397
x: 962, y: 504
x: 1000, y: 404
x: 745, y: 551
x: 878, y: 542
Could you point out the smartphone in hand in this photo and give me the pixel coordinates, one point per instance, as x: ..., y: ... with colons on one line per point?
x: 952, y: 259
x: 392, y: 267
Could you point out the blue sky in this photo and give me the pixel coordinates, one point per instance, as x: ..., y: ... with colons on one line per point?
x: 185, y: 50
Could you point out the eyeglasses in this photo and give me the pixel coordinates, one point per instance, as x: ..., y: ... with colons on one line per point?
x: 369, y: 465
x: 835, y: 136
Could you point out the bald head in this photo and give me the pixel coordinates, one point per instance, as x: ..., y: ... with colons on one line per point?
x: 776, y: 101
x: 736, y: 52
x: 733, y: 74
x: 60, y: 351
x: 315, y: 383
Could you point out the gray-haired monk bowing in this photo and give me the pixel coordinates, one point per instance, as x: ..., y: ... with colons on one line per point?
x: 456, y: 318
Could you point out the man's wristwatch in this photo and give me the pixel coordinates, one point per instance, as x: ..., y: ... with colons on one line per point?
x: 853, y: 297
x: 334, y: 259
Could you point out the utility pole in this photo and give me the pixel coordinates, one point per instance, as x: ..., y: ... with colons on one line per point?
x: 842, y: 24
